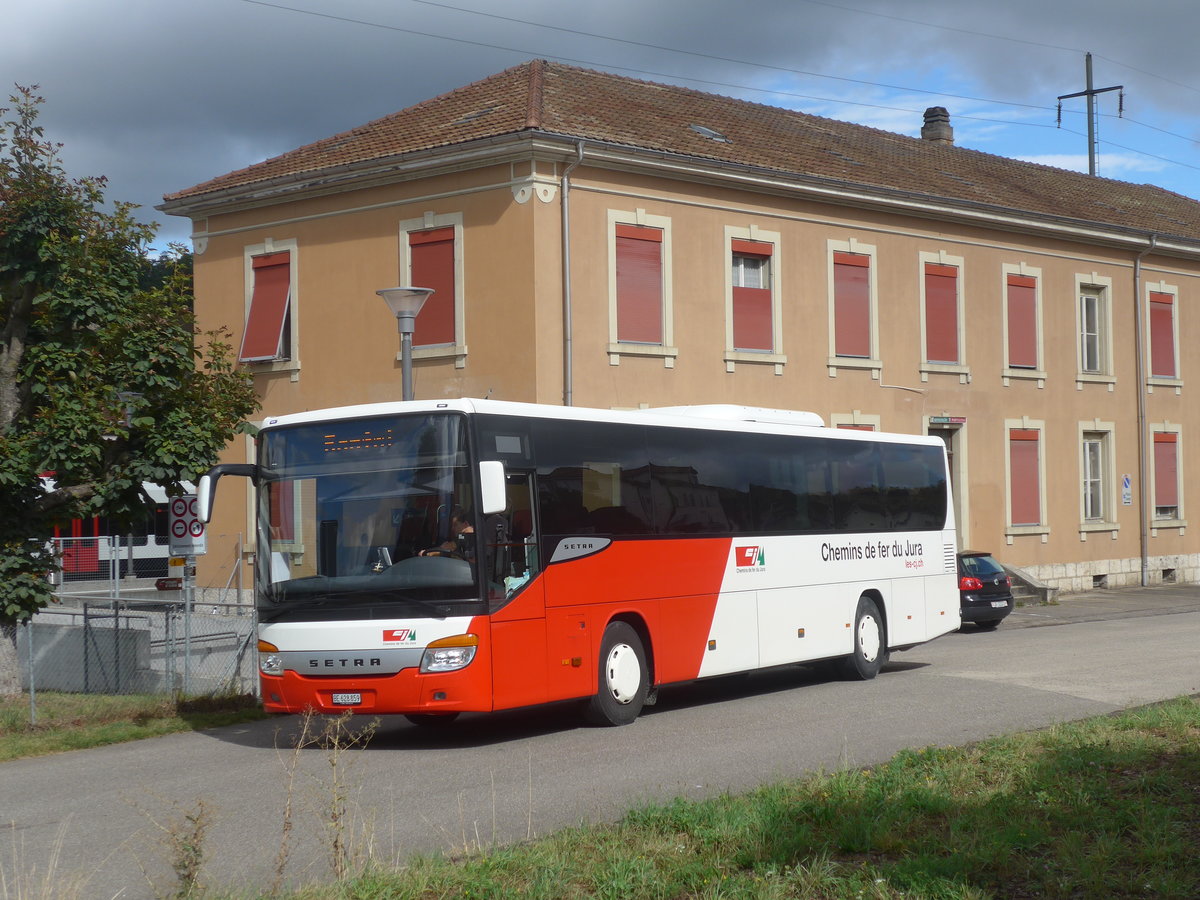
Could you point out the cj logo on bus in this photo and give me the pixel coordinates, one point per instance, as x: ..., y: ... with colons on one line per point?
x: 399, y: 635
x: 750, y: 559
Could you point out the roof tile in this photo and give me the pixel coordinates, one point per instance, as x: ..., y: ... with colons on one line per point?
x: 583, y: 104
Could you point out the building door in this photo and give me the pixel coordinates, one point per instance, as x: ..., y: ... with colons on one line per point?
x: 953, y: 435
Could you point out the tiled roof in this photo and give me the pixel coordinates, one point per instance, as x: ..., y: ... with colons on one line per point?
x: 575, y: 103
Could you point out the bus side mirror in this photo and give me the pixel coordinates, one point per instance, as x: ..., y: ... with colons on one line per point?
x: 207, y: 486
x: 492, y: 493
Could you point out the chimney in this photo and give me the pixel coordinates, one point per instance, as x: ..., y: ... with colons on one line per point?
x: 937, y: 126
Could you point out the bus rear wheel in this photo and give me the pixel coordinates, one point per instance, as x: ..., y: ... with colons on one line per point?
x: 870, y: 642
x: 624, y: 678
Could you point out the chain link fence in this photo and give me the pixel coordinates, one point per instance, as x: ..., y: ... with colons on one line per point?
x: 126, y: 622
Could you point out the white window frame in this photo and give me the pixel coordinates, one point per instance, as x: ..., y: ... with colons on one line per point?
x: 1153, y: 381
x: 775, y: 356
x: 1100, y: 286
x: 1105, y: 478
x: 961, y: 369
x: 427, y: 222
x: 1043, y: 529
x: 292, y: 351
x: 855, y: 418
x: 1038, y: 372
x: 873, y: 363
x: 617, y: 349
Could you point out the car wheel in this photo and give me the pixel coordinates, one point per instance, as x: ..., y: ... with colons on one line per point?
x: 870, y: 643
x: 623, y: 679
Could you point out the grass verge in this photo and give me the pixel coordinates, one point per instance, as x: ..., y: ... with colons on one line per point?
x: 1105, y: 808
x: 79, y: 721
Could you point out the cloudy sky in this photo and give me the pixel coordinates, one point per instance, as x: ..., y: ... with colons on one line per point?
x: 159, y: 95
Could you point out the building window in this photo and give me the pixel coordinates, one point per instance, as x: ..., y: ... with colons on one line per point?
x: 753, y: 314
x: 753, y: 286
x: 942, y: 315
x: 853, y: 322
x: 1096, y: 475
x: 431, y: 262
x: 432, y: 253
x: 270, y: 338
x: 1026, y: 478
x: 639, y: 286
x: 1166, y: 476
x: 1093, y: 478
x: 1022, y: 323
x: 1163, y: 333
x: 852, y: 305
x: 1093, y: 313
x: 1023, y: 475
x: 1091, y: 332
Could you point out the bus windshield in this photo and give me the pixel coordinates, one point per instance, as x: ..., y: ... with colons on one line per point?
x: 366, y: 512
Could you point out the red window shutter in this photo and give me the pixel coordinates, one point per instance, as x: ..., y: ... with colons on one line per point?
x: 1025, y: 496
x: 263, y: 338
x: 851, y: 305
x: 752, y: 326
x: 1166, y: 469
x: 1022, y: 322
x: 941, y: 313
x: 1162, y: 335
x: 640, y: 233
x: 639, y: 284
x: 751, y: 248
x: 432, y: 258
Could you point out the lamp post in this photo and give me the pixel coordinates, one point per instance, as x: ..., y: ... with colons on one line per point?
x: 405, y: 303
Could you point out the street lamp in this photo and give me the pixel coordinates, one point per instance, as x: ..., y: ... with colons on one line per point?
x: 405, y: 303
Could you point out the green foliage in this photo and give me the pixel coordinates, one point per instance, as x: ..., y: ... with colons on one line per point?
x: 105, y: 382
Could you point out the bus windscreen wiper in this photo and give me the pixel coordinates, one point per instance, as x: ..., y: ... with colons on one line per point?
x: 285, y: 607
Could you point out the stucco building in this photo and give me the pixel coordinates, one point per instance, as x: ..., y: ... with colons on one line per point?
x: 601, y: 241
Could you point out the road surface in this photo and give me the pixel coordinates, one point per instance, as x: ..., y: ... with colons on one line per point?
x: 509, y: 776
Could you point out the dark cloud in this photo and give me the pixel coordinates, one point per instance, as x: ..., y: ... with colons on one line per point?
x: 162, y: 95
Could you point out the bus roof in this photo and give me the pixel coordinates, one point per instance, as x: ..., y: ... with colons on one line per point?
x: 717, y: 417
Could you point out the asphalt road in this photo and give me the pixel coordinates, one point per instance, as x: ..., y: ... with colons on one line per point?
x: 104, y: 813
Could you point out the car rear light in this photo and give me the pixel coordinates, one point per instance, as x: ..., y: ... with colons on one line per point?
x: 967, y: 583
x: 1008, y: 581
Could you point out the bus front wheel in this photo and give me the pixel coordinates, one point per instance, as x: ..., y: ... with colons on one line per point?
x: 870, y: 642
x: 624, y: 678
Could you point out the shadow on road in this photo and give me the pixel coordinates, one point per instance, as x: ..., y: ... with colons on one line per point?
x: 473, y: 730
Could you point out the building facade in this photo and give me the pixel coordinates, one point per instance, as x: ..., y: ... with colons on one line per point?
x: 599, y: 241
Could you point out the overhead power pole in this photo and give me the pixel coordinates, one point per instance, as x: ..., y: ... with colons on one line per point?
x: 1091, y: 93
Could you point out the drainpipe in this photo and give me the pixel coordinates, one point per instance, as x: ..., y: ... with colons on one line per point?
x: 1143, y: 436
x: 568, y: 359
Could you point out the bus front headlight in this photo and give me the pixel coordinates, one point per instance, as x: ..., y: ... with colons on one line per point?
x: 269, y: 660
x: 449, y: 654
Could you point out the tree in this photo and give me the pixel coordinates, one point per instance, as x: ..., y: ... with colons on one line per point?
x: 105, y: 382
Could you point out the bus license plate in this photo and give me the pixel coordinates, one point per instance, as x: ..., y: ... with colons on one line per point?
x: 347, y: 699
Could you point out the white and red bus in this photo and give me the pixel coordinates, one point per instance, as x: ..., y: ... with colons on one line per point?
x: 598, y: 554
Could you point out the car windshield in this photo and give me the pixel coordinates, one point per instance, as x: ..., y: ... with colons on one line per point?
x: 980, y: 566
x: 349, y: 509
